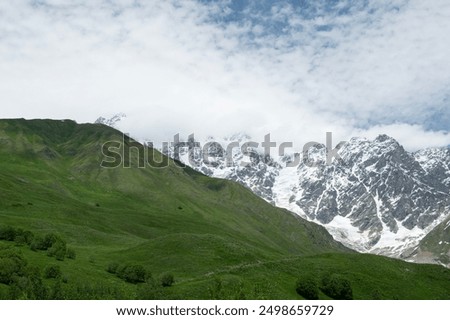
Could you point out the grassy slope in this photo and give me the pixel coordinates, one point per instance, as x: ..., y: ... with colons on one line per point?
x: 176, y: 220
x: 436, y: 244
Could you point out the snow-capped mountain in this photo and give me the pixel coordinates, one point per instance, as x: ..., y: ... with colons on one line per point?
x: 113, y: 121
x: 377, y: 198
x: 436, y: 163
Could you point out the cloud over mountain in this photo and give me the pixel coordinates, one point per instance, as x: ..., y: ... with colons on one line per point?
x: 292, y: 68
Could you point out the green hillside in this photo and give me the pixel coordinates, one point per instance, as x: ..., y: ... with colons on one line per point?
x: 215, y: 237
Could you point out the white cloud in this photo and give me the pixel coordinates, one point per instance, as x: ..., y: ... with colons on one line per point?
x: 171, y: 67
x: 413, y: 137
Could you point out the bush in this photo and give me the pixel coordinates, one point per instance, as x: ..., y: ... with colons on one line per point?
x: 7, y: 233
x: 23, y: 237
x: 56, y: 292
x: 112, y: 267
x: 37, y: 244
x: 132, y: 273
x: 167, y: 279
x: 28, y: 236
x: 35, y: 288
x: 12, y: 265
x: 52, y: 272
x: 71, y: 254
x: 150, y: 290
x: 307, y: 287
x: 55, y: 245
x: 50, y: 239
x: 46, y: 242
x: 337, y: 287
x: 57, y: 250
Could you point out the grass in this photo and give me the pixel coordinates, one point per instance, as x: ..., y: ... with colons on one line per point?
x: 216, y: 237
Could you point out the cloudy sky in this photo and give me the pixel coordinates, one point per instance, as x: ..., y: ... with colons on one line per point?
x: 295, y: 69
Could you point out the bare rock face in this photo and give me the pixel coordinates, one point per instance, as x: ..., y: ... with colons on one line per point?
x: 379, y: 198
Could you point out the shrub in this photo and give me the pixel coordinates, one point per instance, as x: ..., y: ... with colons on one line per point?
x: 35, y: 288
x: 150, y: 290
x: 57, y: 250
x: 46, y: 242
x: 112, y: 267
x: 52, y: 272
x: 37, y: 244
x: 56, y: 292
x: 307, y: 287
x: 12, y: 265
x: 132, y: 273
x: 65, y: 279
x: 20, y: 240
x: 337, y: 287
x: 28, y: 236
x: 50, y: 239
x: 167, y: 279
x: 23, y: 237
x: 71, y: 254
x: 7, y: 233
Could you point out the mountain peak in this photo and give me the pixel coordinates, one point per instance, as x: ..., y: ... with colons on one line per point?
x: 111, y: 122
x: 239, y: 136
x: 383, y: 137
